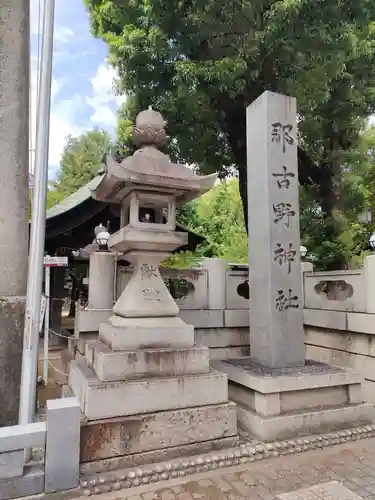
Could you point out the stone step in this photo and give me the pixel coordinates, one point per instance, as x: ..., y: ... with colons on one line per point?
x: 111, y: 365
x: 303, y: 423
x: 145, y: 333
x: 157, y: 431
x: 113, y: 399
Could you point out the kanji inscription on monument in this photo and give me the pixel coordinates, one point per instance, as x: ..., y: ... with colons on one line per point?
x: 276, y: 306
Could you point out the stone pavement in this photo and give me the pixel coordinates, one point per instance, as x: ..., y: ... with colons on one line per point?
x: 342, y: 472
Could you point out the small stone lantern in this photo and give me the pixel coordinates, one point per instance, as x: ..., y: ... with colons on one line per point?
x: 149, y: 187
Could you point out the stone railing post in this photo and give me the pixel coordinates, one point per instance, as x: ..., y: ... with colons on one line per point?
x: 217, y: 271
x: 369, y: 282
x: 101, y: 280
x: 306, y: 267
x: 62, y: 444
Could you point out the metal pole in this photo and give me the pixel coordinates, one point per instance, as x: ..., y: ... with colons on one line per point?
x: 115, y: 281
x: 47, y: 291
x: 38, y: 224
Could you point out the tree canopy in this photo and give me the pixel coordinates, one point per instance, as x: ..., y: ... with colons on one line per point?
x: 80, y: 161
x: 201, y: 63
x: 218, y: 214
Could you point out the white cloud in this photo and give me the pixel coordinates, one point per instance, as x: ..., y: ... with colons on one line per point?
x: 63, y: 34
x: 104, y: 95
x: 64, y: 56
x: 36, y: 16
x: 72, y: 114
x: 63, y: 123
x: 104, y: 116
x: 62, y: 120
x: 66, y: 113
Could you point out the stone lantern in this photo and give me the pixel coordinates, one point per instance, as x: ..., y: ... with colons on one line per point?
x: 149, y: 188
x: 146, y: 390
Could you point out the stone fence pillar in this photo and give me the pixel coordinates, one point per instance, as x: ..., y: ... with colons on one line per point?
x: 101, y: 280
x: 306, y: 267
x: 14, y: 162
x: 369, y: 282
x: 217, y: 286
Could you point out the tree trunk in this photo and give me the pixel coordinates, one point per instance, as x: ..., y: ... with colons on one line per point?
x: 242, y: 186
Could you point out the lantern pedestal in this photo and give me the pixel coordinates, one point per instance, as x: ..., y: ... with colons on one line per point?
x: 146, y: 391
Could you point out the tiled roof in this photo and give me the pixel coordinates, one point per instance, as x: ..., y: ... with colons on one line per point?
x: 76, y: 198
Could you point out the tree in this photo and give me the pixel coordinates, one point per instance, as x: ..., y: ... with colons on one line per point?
x: 364, y: 165
x: 354, y: 191
x: 80, y: 162
x: 217, y: 215
x: 202, y: 63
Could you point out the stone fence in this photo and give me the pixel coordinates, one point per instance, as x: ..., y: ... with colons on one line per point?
x: 339, y: 319
x: 52, y: 441
x: 221, y: 286
x: 339, y: 312
x: 214, y: 299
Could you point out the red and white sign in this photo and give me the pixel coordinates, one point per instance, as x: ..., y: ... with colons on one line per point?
x: 55, y: 261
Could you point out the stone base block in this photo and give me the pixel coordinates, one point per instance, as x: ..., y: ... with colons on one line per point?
x: 143, y: 333
x: 84, y: 338
x: 101, y: 400
x: 109, y: 438
x: 157, y: 456
x: 246, y: 372
x: 31, y: 483
x: 88, y: 320
x: 280, y: 403
x: 220, y: 353
x: 121, y: 365
x: 11, y: 464
x: 296, y: 424
x: 12, y: 315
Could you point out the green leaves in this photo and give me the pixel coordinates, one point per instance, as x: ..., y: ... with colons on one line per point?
x: 200, y: 63
x: 81, y: 160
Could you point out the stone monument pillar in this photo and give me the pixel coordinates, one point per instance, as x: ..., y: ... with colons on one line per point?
x: 279, y: 394
x: 14, y: 161
x: 276, y: 319
x: 147, y: 392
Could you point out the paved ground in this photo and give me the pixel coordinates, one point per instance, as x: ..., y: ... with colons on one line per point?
x: 350, y: 468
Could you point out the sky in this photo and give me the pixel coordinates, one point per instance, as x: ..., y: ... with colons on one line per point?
x: 82, y: 82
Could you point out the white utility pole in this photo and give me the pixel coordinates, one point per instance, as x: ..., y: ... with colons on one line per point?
x: 38, y: 223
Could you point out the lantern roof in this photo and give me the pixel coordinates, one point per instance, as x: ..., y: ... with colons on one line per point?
x: 149, y: 169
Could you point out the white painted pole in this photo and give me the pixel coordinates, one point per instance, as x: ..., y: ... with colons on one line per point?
x: 38, y: 221
x: 47, y: 289
x: 115, y: 281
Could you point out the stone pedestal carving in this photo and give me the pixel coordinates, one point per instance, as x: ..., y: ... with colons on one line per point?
x: 144, y: 387
x: 279, y: 394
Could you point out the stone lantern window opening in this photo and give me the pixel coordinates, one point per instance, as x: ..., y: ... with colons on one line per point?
x: 149, y: 210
